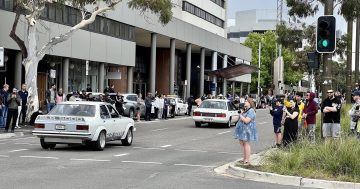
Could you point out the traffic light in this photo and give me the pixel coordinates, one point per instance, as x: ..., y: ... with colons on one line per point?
x: 326, y: 34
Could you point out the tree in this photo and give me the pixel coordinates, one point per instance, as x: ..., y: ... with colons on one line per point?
x: 33, y: 9
x: 268, y: 56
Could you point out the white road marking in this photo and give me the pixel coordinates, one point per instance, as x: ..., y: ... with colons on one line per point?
x: 178, y: 118
x: 261, y: 123
x: 224, y: 132
x: 190, y: 165
x: 39, y: 157
x: 4, y: 156
x: 23, y: 138
x: 119, y: 155
x: 102, y: 160
x: 165, y: 146
x: 28, y: 144
x: 3, y: 143
x: 159, y: 129
x: 184, y: 150
x: 149, y: 148
x: 228, y: 153
x: 142, y: 162
x: 19, y: 150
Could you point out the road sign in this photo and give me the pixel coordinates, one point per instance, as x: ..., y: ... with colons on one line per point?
x: 212, y: 86
x: 87, y: 68
x: 2, y: 61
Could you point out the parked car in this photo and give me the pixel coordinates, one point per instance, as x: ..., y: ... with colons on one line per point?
x: 131, y: 105
x: 83, y: 122
x: 216, y: 111
x: 178, y: 104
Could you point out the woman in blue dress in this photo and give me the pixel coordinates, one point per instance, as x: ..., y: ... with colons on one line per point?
x: 245, y: 130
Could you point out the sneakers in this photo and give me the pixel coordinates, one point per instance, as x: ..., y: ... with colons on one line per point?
x: 17, y: 127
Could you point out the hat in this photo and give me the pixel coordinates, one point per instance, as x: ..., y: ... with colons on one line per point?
x: 220, y: 95
x: 330, y: 91
x: 356, y: 93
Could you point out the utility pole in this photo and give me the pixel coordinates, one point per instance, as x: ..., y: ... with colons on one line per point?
x: 258, y: 86
x: 356, y: 79
x: 327, y: 57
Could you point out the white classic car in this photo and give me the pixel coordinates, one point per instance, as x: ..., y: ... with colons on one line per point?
x: 81, y: 122
x: 180, y: 106
x: 216, y: 111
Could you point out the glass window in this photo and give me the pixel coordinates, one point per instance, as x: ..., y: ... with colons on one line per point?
x: 44, y: 13
x: 9, y: 4
x: 214, y: 105
x: 104, y: 113
x: 73, y: 110
x: 113, y: 112
x: 51, y: 12
x: 231, y: 106
x: 59, y: 14
x: 66, y: 15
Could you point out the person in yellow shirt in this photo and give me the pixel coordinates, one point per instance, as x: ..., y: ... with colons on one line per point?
x: 301, y: 106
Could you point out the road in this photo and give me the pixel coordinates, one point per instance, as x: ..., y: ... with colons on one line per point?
x: 165, y: 154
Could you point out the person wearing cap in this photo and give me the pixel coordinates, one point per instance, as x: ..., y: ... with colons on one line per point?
x: 277, y: 112
x: 331, y: 108
x: 301, y: 105
x: 354, y: 113
x: 14, y: 101
x: 309, y: 115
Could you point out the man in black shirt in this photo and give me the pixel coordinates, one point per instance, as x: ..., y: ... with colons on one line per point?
x: 331, y: 109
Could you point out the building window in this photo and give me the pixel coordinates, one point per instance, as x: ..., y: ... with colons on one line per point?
x: 190, y: 8
x: 221, y: 3
x: 70, y: 16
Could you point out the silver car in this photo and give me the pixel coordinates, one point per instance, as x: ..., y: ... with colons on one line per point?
x: 131, y: 106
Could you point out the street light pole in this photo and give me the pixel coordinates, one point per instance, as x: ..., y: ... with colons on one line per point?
x: 258, y: 87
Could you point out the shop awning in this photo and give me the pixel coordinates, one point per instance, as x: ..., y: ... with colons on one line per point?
x: 233, y: 71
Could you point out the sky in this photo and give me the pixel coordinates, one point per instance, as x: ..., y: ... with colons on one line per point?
x: 239, y: 5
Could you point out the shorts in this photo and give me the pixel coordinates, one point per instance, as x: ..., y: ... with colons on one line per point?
x: 331, y: 130
x: 277, y: 129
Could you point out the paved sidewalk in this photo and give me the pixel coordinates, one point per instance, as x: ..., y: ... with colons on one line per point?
x: 26, y: 130
x: 231, y: 169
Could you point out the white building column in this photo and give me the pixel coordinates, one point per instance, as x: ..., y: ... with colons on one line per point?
x: 59, y: 70
x: 18, y: 71
x: 202, y: 71
x: 101, y: 77
x: 172, y: 66
x: 152, y: 79
x: 188, y: 69
x: 241, y: 88
x: 130, y: 78
x: 65, y: 72
x: 214, y: 67
x: 224, y: 80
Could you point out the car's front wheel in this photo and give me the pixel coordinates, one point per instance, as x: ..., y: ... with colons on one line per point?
x: 131, y: 113
x: 45, y: 145
x: 197, y: 124
x: 100, y: 142
x: 127, y: 141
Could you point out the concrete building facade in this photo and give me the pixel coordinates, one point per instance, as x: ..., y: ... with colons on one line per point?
x: 130, y: 50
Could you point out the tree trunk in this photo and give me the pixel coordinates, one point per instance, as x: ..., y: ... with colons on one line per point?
x: 356, y: 78
x: 349, y: 62
x: 31, y: 65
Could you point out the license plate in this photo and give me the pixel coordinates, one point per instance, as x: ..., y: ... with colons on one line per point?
x: 208, y: 119
x: 60, y: 127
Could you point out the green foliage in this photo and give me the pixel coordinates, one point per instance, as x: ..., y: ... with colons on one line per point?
x: 302, y: 9
x: 336, y: 160
x: 268, y: 56
x: 161, y: 7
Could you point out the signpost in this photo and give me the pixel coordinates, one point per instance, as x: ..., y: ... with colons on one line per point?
x: 2, y: 61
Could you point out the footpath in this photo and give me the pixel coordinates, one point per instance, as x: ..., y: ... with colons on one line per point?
x: 234, y: 170
x: 26, y: 130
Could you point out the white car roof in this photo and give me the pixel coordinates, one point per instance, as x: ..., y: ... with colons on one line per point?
x: 86, y: 102
x: 221, y: 100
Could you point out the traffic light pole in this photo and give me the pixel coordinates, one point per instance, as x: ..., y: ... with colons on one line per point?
x: 327, y: 58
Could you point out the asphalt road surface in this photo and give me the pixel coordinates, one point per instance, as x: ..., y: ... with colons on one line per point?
x: 165, y: 154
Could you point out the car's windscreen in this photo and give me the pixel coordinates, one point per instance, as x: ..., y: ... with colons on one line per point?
x: 213, y: 105
x: 73, y: 110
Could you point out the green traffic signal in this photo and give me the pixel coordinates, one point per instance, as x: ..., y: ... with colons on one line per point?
x: 324, y: 43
